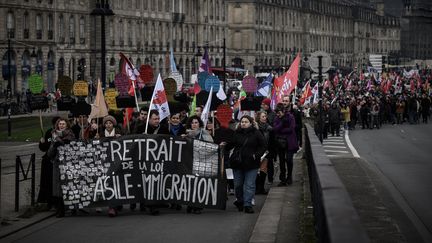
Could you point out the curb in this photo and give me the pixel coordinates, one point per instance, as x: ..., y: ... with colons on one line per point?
x: 16, y: 227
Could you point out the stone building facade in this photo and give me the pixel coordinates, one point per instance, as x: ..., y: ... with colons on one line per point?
x: 269, y: 33
x: 260, y: 35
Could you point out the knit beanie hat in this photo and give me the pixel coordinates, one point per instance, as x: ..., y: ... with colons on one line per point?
x: 266, y: 101
x: 111, y: 119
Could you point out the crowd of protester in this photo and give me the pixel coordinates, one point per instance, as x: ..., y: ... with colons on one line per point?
x: 258, y: 139
x: 256, y: 143
x: 366, y: 103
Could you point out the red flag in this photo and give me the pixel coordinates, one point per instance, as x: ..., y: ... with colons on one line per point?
x: 326, y: 84
x: 336, y: 80
x: 197, y: 88
x: 362, y: 77
x: 286, y: 83
x: 132, y: 73
x: 412, y: 86
x: 307, y: 92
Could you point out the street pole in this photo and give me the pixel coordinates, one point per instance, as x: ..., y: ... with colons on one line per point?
x: 103, y: 52
x: 224, y: 65
x: 320, y: 94
x: 9, y: 89
x: 103, y: 9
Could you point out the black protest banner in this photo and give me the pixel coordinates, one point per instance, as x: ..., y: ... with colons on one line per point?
x: 39, y: 102
x: 141, y: 168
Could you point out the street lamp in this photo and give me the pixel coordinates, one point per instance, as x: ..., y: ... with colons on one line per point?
x: 103, y: 9
x: 223, y: 47
x: 9, y: 85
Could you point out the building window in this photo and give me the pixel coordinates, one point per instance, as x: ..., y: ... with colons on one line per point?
x: 26, y: 26
x: 10, y: 24
x: 82, y: 30
x: 38, y: 27
x: 50, y: 27
x: 61, y: 29
x: 71, y: 30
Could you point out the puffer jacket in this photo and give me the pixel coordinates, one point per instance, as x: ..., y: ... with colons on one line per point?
x: 252, y: 150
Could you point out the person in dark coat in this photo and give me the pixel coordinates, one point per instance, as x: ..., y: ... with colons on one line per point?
x: 267, y: 164
x: 425, y: 107
x: 286, y: 140
x: 250, y: 145
x: 335, y: 116
x: 46, y: 178
x: 61, y: 134
x: 155, y: 126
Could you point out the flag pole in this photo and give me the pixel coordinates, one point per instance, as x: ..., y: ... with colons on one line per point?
x: 41, y: 124
x: 136, y: 99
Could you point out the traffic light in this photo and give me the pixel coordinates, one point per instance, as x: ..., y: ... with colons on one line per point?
x: 384, y: 61
x: 81, y: 70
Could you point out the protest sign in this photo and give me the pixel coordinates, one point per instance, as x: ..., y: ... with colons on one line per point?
x: 65, y: 103
x: 110, y: 98
x: 122, y: 84
x: 80, y: 88
x: 35, y: 83
x: 224, y: 114
x: 141, y: 168
x: 250, y: 84
x: 170, y: 86
x: 212, y: 81
x: 178, y: 78
x: 39, y: 102
x: 65, y: 85
x: 146, y: 74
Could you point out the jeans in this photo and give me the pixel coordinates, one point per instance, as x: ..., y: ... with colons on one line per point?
x: 244, y: 185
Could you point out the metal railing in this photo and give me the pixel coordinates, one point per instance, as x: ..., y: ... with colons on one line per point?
x: 18, y: 166
x: 336, y: 219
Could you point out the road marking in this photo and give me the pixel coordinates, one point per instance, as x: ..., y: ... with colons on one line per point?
x: 336, y: 151
x: 331, y: 142
x: 331, y: 146
x: 351, y: 147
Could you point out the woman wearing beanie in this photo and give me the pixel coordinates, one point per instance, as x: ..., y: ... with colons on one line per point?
x: 110, y: 130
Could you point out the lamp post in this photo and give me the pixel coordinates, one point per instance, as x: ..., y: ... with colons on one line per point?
x: 103, y: 9
x: 223, y: 47
x: 9, y: 88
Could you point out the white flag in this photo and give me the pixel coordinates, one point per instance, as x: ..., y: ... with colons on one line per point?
x: 206, y: 111
x: 159, y: 100
x: 221, y: 94
x: 315, y: 94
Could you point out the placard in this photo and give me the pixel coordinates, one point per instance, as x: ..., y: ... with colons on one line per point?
x: 201, y: 99
x: 146, y: 74
x: 81, y: 108
x: 146, y: 93
x: 39, y: 102
x: 80, y: 88
x: 141, y: 168
x: 250, y: 84
x: 178, y: 78
x: 65, y: 84
x: 35, y: 83
x: 121, y: 83
x: 212, y: 81
x: 125, y: 101
x: 202, y: 77
x: 110, y: 98
x: 251, y: 103
x: 170, y: 86
x: 224, y: 115
x: 65, y: 103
